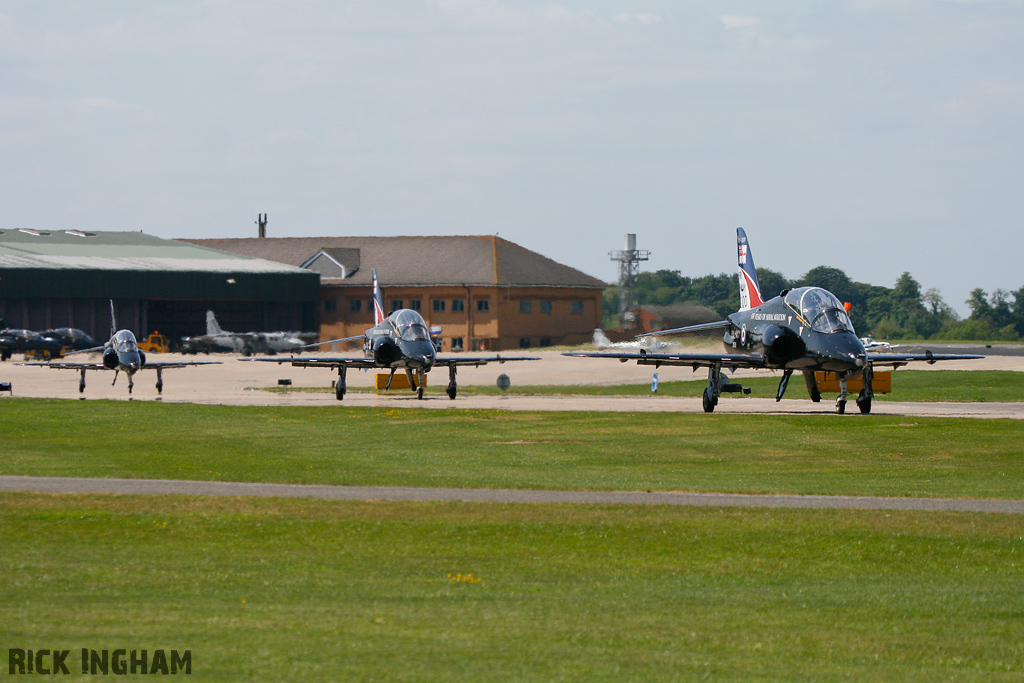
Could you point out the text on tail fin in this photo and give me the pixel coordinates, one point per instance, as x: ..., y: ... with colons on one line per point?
x: 750, y: 292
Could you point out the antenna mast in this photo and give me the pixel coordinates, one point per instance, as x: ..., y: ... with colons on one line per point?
x: 629, y: 267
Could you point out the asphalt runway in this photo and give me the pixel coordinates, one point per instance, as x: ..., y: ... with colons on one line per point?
x: 397, y: 493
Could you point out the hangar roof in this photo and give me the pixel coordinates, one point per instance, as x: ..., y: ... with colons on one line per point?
x: 415, y: 261
x: 120, y: 251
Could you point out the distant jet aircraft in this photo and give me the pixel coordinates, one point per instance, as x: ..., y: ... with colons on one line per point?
x: 804, y: 329
x: 399, y: 341
x: 70, y: 338
x: 602, y: 341
x: 120, y: 353
x: 26, y: 341
x: 246, y: 343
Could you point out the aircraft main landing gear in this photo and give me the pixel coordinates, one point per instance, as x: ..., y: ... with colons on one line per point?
x: 713, y: 389
x: 452, y: 387
x: 867, y: 393
x: 339, y: 386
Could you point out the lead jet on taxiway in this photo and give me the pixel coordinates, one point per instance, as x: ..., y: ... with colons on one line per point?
x: 399, y: 341
x: 120, y: 354
x: 804, y: 329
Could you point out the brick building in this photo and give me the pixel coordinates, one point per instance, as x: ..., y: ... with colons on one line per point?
x: 480, y: 292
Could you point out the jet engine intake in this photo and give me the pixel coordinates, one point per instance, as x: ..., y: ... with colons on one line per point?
x: 110, y: 359
x: 781, y: 346
x: 142, y: 358
x: 385, y: 351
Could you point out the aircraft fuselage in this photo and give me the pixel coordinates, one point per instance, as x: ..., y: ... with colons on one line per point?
x: 401, y: 341
x: 803, y: 329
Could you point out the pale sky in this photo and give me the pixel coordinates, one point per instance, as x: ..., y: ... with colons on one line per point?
x: 876, y: 136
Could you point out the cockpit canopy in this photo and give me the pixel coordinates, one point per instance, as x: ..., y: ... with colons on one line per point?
x: 410, y: 325
x: 820, y: 308
x: 124, y: 342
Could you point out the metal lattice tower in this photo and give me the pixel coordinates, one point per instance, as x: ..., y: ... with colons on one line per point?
x: 629, y: 267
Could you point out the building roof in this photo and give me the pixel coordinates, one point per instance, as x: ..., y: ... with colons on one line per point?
x: 416, y: 261
x: 120, y: 251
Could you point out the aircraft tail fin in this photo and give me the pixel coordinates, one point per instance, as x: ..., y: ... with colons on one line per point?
x: 601, y: 339
x: 113, y: 320
x: 378, y: 302
x: 212, y: 328
x: 750, y: 292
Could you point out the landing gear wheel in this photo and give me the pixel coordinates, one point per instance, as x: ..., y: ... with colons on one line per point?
x: 451, y: 392
x: 709, y: 403
x: 840, y: 406
x: 419, y: 392
x: 339, y: 390
x: 864, y: 403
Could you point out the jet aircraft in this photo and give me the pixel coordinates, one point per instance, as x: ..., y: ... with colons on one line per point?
x: 26, y: 341
x: 243, y: 342
x: 120, y: 354
x: 70, y: 338
x: 399, y: 341
x: 804, y: 329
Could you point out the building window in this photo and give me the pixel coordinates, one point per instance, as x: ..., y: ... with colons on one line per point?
x: 438, y: 305
x: 395, y: 304
x: 456, y: 343
x: 545, y: 341
x: 577, y: 307
x: 524, y: 342
x: 524, y: 307
x: 458, y: 305
x: 330, y: 305
x: 483, y: 305
x: 415, y: 305
x: 355, y: 305
x: 545, y: 306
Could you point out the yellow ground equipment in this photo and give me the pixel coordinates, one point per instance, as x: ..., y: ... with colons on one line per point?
x: 401, y: 381
x: 156, y: 343
x: 828, y: 384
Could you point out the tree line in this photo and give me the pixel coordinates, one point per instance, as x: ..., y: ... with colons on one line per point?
x: 899, y: 312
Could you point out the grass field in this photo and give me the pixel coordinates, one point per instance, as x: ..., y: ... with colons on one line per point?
x: 994, y: 386
x: 820, y: 454
x: 302, y: 590
x: 274, y: 589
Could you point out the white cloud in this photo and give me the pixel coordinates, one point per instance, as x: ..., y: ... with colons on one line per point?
x: 731, y: 21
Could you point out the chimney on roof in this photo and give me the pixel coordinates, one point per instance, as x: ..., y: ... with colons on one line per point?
x: 262, y: 223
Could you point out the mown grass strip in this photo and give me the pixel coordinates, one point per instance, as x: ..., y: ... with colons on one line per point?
x: 294, y: 590
x: 801, y: 454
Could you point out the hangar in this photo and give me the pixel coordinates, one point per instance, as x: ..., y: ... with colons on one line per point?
x: 66, y: 278
x: 481, y: 292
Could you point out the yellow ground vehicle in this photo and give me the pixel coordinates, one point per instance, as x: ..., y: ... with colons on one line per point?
x: 156, y: 343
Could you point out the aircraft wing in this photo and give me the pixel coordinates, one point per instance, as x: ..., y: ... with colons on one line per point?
x: 68, y: 366
x: 703, y: 327
x: 478, y: 361
x: 155, y: 365
x: 693, y: 360
x: 169, y: 365
x: 895, y: 360
x: 324, y: 362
